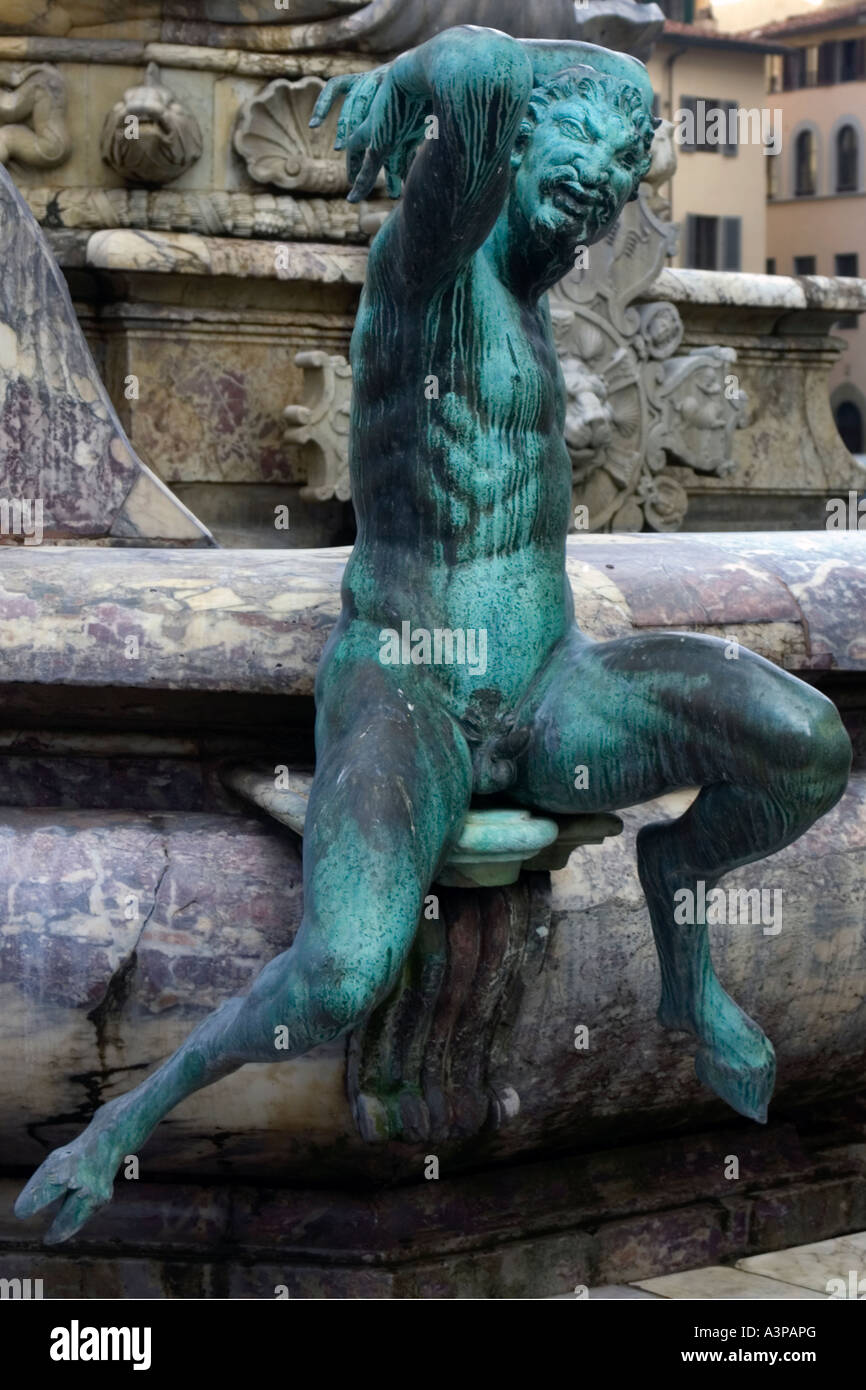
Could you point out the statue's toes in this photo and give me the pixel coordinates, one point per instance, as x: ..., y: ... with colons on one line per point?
x: 71, y: 1173
x: 746, y: 1087
x: 49, y: 1182
x: 78, y: 1208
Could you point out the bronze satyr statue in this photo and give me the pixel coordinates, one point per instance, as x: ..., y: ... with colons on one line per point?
x: 511, y: 155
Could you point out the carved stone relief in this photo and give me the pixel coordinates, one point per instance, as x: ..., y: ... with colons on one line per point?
x: 273, y: 137
x: 321, y: 425
x: 33, y: 127
x: 634, y: 409
x: 149, y: 137
x: 259, y: 215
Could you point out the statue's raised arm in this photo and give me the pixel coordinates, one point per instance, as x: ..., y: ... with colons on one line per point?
x: 443, y: 117
x: 451, y: 119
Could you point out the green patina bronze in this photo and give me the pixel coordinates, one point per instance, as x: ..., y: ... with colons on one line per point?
x: 511, y: 155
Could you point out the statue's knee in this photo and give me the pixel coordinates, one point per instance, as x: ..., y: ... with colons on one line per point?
x: 825, y: 753
x: 834, y: 749
x: 342, y: 996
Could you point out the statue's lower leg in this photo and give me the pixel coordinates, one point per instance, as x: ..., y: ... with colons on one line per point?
x: 294, y: 993
x: 84, y: 1170
x: 735, y: 1059
x: 642, y: 715
x: 725, y: 827
x: 369, y: 857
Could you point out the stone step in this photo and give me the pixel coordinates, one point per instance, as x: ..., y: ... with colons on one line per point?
x: 826, y: 1269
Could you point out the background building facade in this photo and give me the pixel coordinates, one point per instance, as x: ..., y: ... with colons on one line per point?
x: 718, y: 193
x: 816, y: 210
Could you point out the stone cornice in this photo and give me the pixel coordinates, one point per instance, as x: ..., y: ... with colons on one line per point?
x: 136, y: 53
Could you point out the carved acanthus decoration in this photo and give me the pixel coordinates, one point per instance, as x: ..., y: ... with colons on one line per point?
x: 33, y: 127
x: 149, y: 136
x: 274, y: 139
x: 634, y: 408
x: 321, y: 425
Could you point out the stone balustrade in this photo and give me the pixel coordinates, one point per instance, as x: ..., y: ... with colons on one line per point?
x: 789, y: 456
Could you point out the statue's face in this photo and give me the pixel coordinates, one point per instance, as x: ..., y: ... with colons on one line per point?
x: 578, y: 171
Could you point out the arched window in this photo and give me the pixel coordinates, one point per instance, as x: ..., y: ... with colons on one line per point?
x: 806, y: 156
x: 849, y: 423
x: 847, y: 152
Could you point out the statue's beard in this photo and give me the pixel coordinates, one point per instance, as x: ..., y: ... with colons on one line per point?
x: 554, y: 230
x: 560, y: 219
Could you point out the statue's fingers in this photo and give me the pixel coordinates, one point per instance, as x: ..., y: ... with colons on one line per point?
x: 360, y: 143
x: 333, y: 88
x: 366, y: 176
x: 370, y: 140
x: 355, y: 158
x: 356, y: 107
x: 387, y: 119
x: 393, y: 179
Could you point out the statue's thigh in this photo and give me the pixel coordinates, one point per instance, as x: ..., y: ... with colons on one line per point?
x: 616, y: 723
x: 392, y: 785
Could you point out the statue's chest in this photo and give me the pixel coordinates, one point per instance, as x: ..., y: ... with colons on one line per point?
x: 496, y: 355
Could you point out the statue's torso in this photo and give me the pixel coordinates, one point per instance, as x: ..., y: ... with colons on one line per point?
x: 460, y: 474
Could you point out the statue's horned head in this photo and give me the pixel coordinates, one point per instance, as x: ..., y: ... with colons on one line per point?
x: 581, y: 153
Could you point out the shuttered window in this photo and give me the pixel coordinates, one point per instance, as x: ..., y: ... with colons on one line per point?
x: 852, y: 60
x: 731, y: 235
x: 806, y: 165
x: 713, y: 243
x: 729, y: 145
x: 794, y: 70
x: 847, y: 159
x: 827, y: 64
x: 702, y: 242
x: 847, y: 263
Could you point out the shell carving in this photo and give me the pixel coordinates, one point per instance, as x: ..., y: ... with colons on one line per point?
x: 273, y: 138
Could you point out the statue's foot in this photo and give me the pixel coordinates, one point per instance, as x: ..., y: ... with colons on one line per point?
x: 746, y: 1086
x: 81, y: 1172
x: 735, y: 1059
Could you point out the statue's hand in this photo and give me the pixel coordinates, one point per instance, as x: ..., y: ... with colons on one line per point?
x: 380, y: 125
